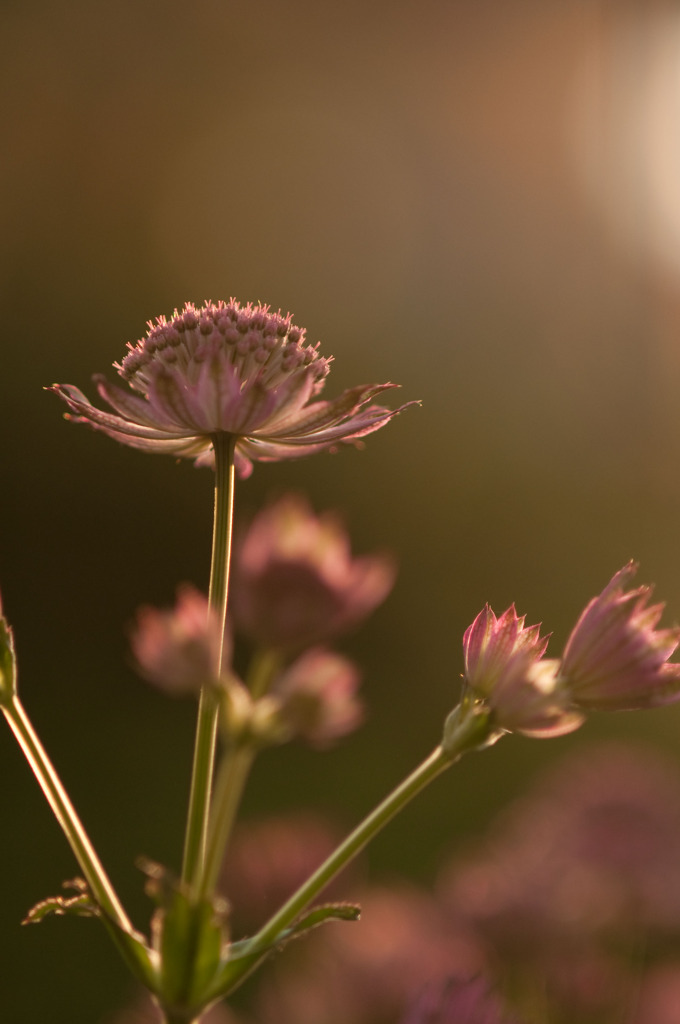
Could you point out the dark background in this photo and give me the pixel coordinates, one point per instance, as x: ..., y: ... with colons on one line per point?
x: 475, y: 199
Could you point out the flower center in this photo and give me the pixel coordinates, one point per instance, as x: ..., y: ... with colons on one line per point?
x: 256, y: 342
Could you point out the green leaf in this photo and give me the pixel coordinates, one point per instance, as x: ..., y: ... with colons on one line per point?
x: 190, y: 937
x: 80, y: 905
x: 132, y: 945
x: 244, y: 956
x: 312, y: 919
x: 319, y: 915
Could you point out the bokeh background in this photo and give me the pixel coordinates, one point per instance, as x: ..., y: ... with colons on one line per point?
x: 478, y: 200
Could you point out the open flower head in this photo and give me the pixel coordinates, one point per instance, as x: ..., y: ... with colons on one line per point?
x: 504, y: 667
x: 177, y: 649
x: 227, y: 368
x: 615, y: 658
x: 296, y: 582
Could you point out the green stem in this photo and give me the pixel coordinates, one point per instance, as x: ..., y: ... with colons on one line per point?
x: 231, y: 779
x: 206, y: 727
x: 265, y: 664
x: 232, y: 776
x: 472, y: 732
x: 65, y: 813
x: 114, y: 916
x: 369, y: 827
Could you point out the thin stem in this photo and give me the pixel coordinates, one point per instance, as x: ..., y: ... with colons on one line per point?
x: 469, y: 734
x: 128, y: 942
x: 232, y: 776
x: 264, y: 666
x: 206, y: 727
x: 252, y: 952
x: 231, y: 779
x: 65, y: 813
x: 369, y: 827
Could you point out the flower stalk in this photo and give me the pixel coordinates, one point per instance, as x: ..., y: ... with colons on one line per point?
x: 119, y: 926
x: 473, y: 731
x: 232, y: 776
x: 208, y: 710
x: 231, y: 779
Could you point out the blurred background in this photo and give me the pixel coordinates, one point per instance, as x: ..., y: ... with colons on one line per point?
x: 475, y: 199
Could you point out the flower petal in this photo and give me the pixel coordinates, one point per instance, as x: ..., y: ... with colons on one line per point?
x: 88, y: 413
x: 130, y: 406
x: 320, y: 415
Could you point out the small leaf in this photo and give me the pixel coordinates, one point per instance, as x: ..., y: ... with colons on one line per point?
x: 80, y: 905
x: 315, y: 917
x: 319, y: 915
x: 245, y: 955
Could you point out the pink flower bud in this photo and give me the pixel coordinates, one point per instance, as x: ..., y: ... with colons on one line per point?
x: 318, y: 697
x: 615, y: 659
x: 295, y: 581
x: 504, y: 667
x: 528, y: 698
x: 178, y: 649
x: 489, y: 643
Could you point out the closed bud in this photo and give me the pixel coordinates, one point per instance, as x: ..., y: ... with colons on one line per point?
x: 178, y: 649
x: 318, y: 697
x: 616, y: 659
x: 296, y: 582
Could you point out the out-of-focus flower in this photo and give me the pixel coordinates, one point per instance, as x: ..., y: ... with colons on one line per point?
x: 371, y: 970
x: 295, y: 581
x: 615, y: 659
x: 177, y: 649
x: 658, y: 998
x: 468, y: 1001
x: 504, y: 667
x: 577, y: 874
x: 227, y: 368
x: 268, y: 860
x: 318, y: 697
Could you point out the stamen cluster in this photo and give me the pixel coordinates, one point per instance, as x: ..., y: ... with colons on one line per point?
x: 255, y: 340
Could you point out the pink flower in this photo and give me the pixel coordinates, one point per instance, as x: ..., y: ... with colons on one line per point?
x: 580, y: 871
x: 458, y: 1001
x: 489, y: 644
x: 615, y: 659
x: 528, y: 698
x: 505, y: 669
x: 371, y: 970
x: 240, y: 370
x: 178, y: 649
x: 295, y: 581
x: 318, y: 697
